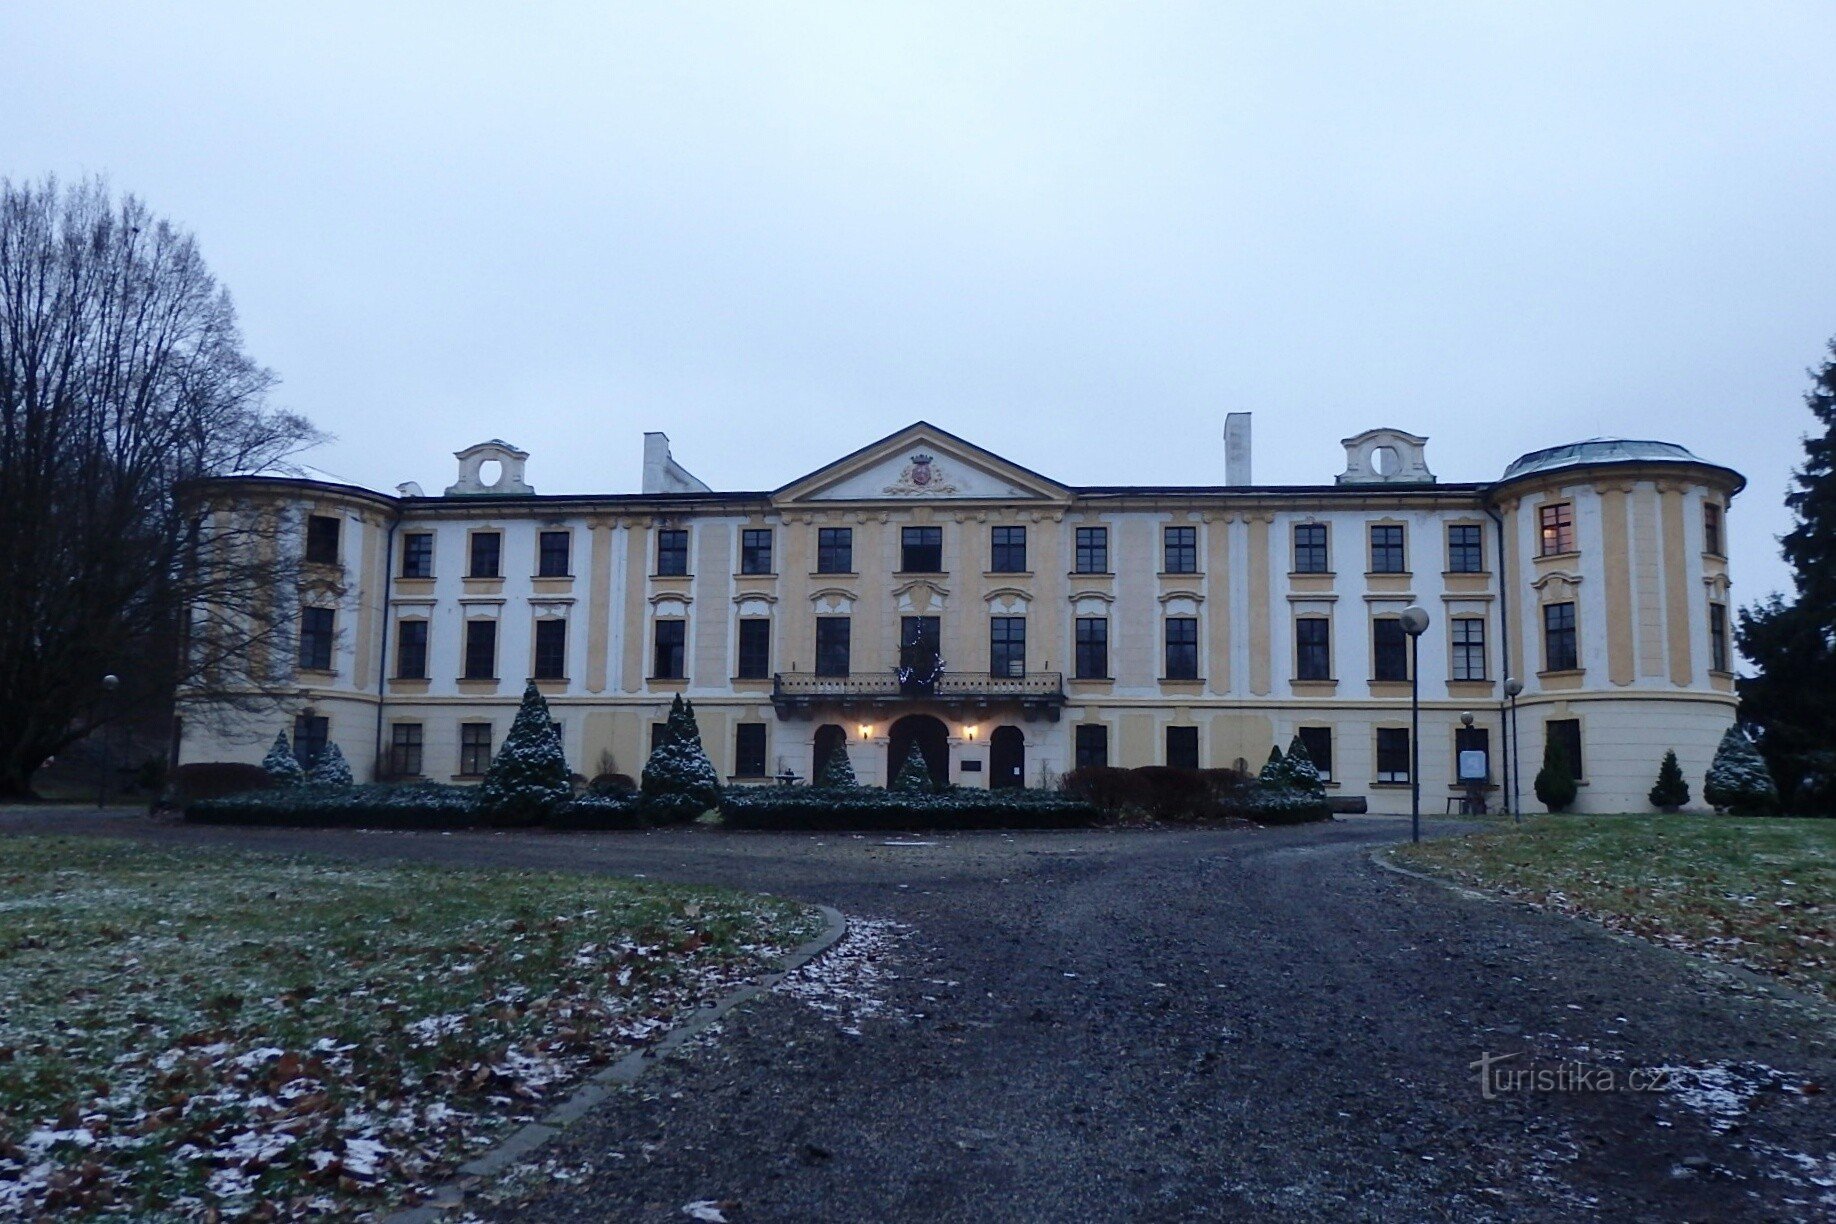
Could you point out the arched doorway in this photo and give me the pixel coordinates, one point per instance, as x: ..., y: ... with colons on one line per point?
x: 1006, y: 759
x: 933, y: 740
x: 829, y: 737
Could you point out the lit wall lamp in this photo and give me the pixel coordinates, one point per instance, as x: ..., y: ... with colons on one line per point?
x: 969, y: 732
x: 866, y: 730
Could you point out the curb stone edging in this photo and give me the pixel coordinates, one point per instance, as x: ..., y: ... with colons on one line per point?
x: 1822, y: 1009
x: 520, y: 1142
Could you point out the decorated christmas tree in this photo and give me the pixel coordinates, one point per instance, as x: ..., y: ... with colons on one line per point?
x: 838, y: 770
x: 679, y: 781
x: 281, y: 764
x: 331, y: 769
x: 528, y: 776
x: 1671, y: 791
x: 914, y: 775
x: 1738, y: 780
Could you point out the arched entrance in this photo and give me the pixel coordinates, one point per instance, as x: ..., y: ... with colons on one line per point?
x: 1006, y: 759
x: 932, y: 738
x: 829, y: 737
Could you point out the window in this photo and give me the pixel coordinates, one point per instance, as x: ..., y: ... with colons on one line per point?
x: 322, y: 539
x: 411, y: 650
x: 417, y: 554
x: 316, y: 638
x: 554, y: 554
x: 658, y: 733
x: 480, y: 650
x: 1711, y: 528
x: 1557, y: 526
x: 1313, y: 648
x: 1310, y: 548
x: 1389, y: 650
x: 749, y: 750
x: 487, y: 555
x: 474, y: 749
x: 1318, y: 743
x: 668, y: 658
x: 1007, y: 645
x: 832, y: 642
x: 920, y: 641
x: 1092, y: 550
x: 755, y: 550
x: 1092, y: 648
x: 1182, y: 648
x: 310, y: 733
x: 921, y: 550
x: 1468, y: 648
x: 1559, y: 653
x: 1387, y: 550
x: 754, y: 648
x: 1718, y: 637
x: 405, y: 740
x: 1179, y: 546
x: 672, y: 552
x: 1565, y: 733
x: 1007, y: 550
x: 1472, y: 739
x: 1182, y: 747
x: 1392, y: 754
x: 550, y: 649
x: 835, y: 550
x: 1092, y: 740
x: 1465, y: 549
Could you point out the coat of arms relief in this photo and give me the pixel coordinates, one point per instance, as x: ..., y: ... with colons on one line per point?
x: 921, y: 476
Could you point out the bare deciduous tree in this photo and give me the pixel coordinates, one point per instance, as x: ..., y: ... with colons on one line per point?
x: 122, y: 378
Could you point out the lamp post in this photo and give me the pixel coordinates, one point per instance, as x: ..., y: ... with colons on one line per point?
x: 110, y: 683
x: 1415, y: 622
x: 1512, y: 687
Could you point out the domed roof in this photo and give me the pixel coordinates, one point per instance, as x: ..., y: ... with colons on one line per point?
x: 1598, y: 450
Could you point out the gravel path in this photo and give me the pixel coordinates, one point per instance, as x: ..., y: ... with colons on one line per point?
x: 1170, y: 1026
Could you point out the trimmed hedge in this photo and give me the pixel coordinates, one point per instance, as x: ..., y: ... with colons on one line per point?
x: 1176, y: 795
x: 869, y: 807
x: 421, y: 805
x: 605, y: 812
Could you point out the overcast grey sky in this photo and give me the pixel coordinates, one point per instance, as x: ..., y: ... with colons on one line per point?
x: 1076, y: 234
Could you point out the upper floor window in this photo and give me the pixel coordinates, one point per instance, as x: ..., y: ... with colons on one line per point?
x: 1468, y: 648
x: 1310, y: 548
x: 550, y: 649
x: 1389, y: 649
x: 1556, y: 525
x: 1007, y: 645
x: 417, y: 554
x: 1387, y: 549
x: 833, y: 640
x: 670, y: 657
x: 921, y: 550
x: 755, y: 550
x: 1092, y: 661
x: 1313, y: 648
x: 1718, y: 637
x: 487, y: 555
x: 672, y: 551
x: 1182, y: 648
x: 1179, y: 547
x: 554, y: 554
x: 480, y: 650
x: 1559, y: 650
x: 1007, y: 550
x: 411, y: 650
x: 1092, y: 550
x: 835, y: 550
x: 316, y: 638
x: 1465, y: 549
x: 754, y: 648
x: 1711, y: 528
x: 322, y: 531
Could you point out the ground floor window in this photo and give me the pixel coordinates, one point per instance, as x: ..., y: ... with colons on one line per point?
x: 310, y: 732
x: 474, y: 749
x: 405, y: 741
x: 1392, y: 754
x: 1092, y: 745
x: 1566, y: 732
x: 1472, y: 739
x: 1318, y: 743
x: 1182, y: 747
x: 749, y: 750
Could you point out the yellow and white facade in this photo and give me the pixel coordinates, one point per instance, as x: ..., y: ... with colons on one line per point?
x: 1230, y: 618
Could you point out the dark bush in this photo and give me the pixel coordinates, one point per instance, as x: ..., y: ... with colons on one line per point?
x: 1175, y: 794
x: 423, y: 805
x: 1110, y: 790
x: 615, y: 811
x: 613, y: 784
x: 805, y: 807
x: 215, y: 779
x: 1278, y: 805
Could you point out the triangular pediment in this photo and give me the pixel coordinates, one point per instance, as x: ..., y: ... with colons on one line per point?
x: 922, y: 463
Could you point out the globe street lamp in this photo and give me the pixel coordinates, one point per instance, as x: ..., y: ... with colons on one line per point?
x: 1514, y: 763
x: 110, y: 683
x: 1415, y: 623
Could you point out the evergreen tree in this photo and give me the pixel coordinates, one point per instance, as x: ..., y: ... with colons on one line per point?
x: 1792, y: 644
x: 1300, y: 771
x: 528, y: 776
x: 1737, y: 780
x: 679, y: 781
x: 914, y: 775
x: 331, y: 769
x: 1555, y: 781
x: 1671, y: 791
x: 281, y: 764
x: 838, y: 770
x: 1274, y: 771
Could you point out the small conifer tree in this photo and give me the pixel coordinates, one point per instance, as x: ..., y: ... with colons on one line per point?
x: 1274, y: 770
x: 679, y: 781
x: 1555, y: 781
x: 838, y: 770
x: 281, y: 764
x: 914, y: 775
x: 1671, y: 791
x: 528, y: 776
x: 1738, y: 780
x: 1300, y: 772
x: 331, y: 769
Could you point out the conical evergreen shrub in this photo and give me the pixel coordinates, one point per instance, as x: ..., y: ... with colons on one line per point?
x: 1300, y: 772
x: 281, y: 764
x: 1671, y: 791
x: 838, y: 770
x: 331, y: 769
x: 1738, y: 780
x: 679, y: 781
x: 1555, y: 781
x: 528, y: 776
x: 1273, y: 770
x: 914, y: 775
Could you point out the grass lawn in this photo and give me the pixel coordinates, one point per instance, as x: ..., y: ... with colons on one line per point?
x: 193, y: 1034
x: 1759, y: 893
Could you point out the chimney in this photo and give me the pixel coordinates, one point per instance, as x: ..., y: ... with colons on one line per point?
x: 662, y: 474
x: 1237, y: 448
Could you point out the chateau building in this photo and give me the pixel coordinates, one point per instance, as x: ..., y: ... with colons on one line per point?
x: 924, y: 590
